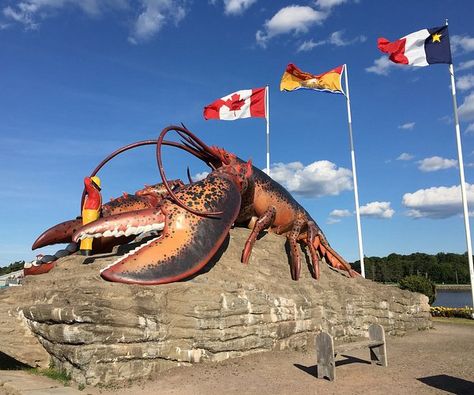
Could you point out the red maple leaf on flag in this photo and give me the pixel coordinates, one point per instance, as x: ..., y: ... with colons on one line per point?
x: 235, y: 103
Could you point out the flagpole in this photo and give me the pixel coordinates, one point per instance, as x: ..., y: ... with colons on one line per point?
x: 267, y: 116
x: 463, y: 182
x: 354, y: 176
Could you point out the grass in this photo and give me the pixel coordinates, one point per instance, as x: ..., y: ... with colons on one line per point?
x: 55, y: 374
x: 453, y: 320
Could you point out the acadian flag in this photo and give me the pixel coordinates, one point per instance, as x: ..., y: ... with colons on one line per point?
x: 293, y: 78
x: 241, y: 104
x: 422, y: 48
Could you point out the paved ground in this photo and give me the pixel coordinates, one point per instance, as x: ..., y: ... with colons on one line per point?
x: 440, y: 361
x: 20, y: 382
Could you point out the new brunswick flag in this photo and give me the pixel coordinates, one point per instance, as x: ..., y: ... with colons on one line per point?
x: 294, y: 78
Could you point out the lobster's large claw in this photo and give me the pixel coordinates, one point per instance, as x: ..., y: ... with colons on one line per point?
x: 60, y: 233
x: 145, y: 198
x: 63, y: 233
x: 188, y: 240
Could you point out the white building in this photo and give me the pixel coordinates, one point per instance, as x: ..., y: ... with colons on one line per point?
x: 11, y: 279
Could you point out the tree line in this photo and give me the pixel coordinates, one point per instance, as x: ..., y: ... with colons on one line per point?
x: 12, y: 267
x: 442, y: 268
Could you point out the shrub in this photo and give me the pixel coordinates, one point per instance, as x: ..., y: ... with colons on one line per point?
x: 459, y: 312
x: 419, y: 284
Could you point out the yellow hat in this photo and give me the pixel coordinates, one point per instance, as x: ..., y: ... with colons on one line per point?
x: 96, y: 180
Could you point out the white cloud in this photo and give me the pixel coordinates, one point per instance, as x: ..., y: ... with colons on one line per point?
x: 319, y: 178
x: 309, y: 45
x: 200, y: 176
x: 405, y: 156
x: 465, y: 65
x: 20, y: 16
x: 328, y: 4
x: 292, y: 19
x: 155, y: 14
x: 237, y: 7
x: 30, y: 12
x: 150, y: 19
x: 337, y: 39
x: 466, y: 109
x: 462, y: 43
x: 381, y: 66
x: 407, y: 126
x: 447, y: 119
x: 437, y: 202
x: 465, y: 82
x: 470, y: 129
x: 340, y: 213
x: 377, y: 210
x: 436, y: 163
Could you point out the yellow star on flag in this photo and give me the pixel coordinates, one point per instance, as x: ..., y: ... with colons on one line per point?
x: 436, y: 37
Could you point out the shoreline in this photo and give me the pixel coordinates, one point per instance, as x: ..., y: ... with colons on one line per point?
x: 443, y: 287
x: 453, y: 287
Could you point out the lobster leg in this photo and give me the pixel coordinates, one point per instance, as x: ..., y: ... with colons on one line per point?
x: 322, y: 245
x: 310, y: 242
x: 295, y: 260
x: 264, y: 222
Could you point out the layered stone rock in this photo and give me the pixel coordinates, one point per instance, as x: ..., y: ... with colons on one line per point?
x: 104, y: 332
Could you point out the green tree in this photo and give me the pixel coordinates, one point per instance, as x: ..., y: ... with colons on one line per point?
x: 12, y: 267
x: 447, y: 268
x: 419, y: 284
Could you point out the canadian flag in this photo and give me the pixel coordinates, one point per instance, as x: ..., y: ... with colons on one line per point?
x: 241, y: 104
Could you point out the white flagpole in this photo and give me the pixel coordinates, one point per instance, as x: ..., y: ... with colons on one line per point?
x: 463, y: 183
x: 267, y: 116
x: 354, y: 176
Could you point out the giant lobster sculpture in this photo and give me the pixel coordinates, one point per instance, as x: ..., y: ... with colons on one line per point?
x: 195, y: 219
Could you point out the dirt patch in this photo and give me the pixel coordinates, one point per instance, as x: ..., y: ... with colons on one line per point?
x: 427, y: 362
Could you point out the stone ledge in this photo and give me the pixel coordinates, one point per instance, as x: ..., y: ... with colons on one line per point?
x: 105, y: 333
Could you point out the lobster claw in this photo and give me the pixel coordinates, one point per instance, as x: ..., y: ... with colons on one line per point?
x: 187, y: 243
x: 63, y: 233
x: 60, y: 233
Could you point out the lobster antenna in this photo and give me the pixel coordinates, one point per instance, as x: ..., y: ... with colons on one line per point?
x: 189, y: 175
x: 192, y: 138
x: 205, y: 151
x: 198, y: 153
x: 188, y: 141
x: 163, y: 175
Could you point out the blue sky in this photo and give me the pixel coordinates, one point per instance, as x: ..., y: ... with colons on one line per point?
x: 81, y: 78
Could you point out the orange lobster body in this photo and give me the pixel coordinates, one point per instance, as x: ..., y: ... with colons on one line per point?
x: 268, y: 205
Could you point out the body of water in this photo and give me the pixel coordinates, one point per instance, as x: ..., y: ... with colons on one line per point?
x: 450, y: 298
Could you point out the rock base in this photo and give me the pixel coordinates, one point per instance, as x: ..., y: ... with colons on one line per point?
x: 107, y: 333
